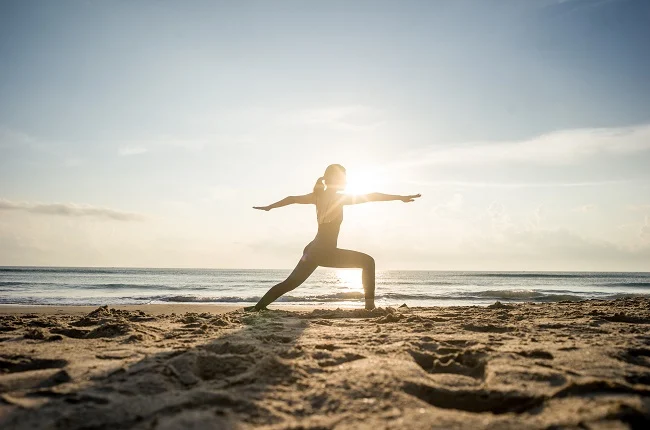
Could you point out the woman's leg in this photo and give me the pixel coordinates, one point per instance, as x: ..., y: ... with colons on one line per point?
x: 303, y: 269
x: 345, y: 258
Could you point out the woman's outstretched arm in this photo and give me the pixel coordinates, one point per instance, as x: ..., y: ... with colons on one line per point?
x: 353, y: 199
x: 301, y: 200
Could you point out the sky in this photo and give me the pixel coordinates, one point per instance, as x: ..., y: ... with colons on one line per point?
x: 141, y: 134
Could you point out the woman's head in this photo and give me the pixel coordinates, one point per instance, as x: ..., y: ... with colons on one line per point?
x: 335, y: 177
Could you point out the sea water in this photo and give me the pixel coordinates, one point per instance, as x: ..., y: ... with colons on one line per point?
x: 326, y: 287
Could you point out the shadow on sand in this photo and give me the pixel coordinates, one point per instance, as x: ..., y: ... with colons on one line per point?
x: 211, y: 385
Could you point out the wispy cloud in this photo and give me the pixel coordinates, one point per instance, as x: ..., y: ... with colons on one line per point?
x: 515, y: 185
x: 125, y: 151
x: 454, y: 205
x: 73, y: 162
x: 639, y: 207
x: 140, y: 146
x: 221, y: 192
x: 563, y: 147
x: 70, y: 210
x: 645, y: 229
x: 187, y: 144
x: 584, y: 208
x: 350, y: 117
x: 11, y: 138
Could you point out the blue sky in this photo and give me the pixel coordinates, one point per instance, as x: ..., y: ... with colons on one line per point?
x: 141, y: 133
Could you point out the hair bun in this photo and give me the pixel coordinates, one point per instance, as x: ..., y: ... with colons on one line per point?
x: 320, y: 185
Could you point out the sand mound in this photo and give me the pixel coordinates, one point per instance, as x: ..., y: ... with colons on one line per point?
x: 105, y: 314
x: 349, y: 313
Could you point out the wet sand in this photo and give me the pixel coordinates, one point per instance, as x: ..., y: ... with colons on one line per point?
x: 553, y: 365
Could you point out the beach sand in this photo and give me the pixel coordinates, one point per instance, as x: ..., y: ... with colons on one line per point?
x: 554, y: 365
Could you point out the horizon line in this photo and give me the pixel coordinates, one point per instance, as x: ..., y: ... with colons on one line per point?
x: 384, y: 270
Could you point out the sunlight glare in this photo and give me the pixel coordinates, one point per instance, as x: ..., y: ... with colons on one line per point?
x: 360, y: 182
x: 350, y: 278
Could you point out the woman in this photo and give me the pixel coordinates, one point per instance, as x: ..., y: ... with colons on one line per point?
x: 322, y: 251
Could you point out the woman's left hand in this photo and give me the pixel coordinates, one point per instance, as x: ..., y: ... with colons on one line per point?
x: 262, y: 208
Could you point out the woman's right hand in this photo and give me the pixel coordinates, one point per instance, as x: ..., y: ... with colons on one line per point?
x: 411, y: 198
x: 262, y: 208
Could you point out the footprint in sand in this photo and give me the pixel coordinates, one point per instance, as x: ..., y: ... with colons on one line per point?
x: 74, y: 333
x: 488, y: 328
x: 21, y: 363
x: 536, y: 353
x: 461, y: 342
x: 274, y: 338
x: 327, y: 359
x: 637, y: 356
x: 638, y: 378
x: 118, y: 354
x: 500, y: 402
x: 452, y: 360
x: 327, y: 347
x: 481, y: 400
x: 231, y: 348
x: 18, y: 372
x: 625, y: 318
x: 293, y: 353
x: 200, y: 365
x: 322, y: 322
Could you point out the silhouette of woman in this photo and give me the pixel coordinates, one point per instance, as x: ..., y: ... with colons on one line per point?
x: 323, y: 251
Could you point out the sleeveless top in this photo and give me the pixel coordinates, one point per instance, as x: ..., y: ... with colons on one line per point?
x: 329, y: 207
x: 329, y: 213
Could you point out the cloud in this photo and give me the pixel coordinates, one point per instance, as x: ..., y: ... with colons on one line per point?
x: 188, y: 144
x: 453, y: 206
x: 562, y: 147
x: 73, y: 162
x: 351, y: 117
x: 584, y: 208
x: 645, y: 229
x: 131, y: 150
x: 516, y: 185
x: 499, y: 218
x: 137, y: 147
x: 528, y: 245
x: 70, y: 210
x: 496, y: 240
x: 639, y: 207
x: 535, y: 220
x: 221, y: 193
x: 12, y: 138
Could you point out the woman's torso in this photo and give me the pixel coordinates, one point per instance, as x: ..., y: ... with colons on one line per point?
x: 329, y: 213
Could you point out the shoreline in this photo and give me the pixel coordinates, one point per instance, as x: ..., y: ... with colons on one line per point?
x: 221, y: 308
x: 154, y: 309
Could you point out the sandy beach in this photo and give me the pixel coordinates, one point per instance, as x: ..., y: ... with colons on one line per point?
x: 553, y: 365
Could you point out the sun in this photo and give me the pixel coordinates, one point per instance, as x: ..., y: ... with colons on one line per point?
x: 361, y: 182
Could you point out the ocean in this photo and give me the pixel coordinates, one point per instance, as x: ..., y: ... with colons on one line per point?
x: 326, y: 287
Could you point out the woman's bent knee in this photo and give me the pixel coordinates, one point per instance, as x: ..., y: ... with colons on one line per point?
x: 369, y: 263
